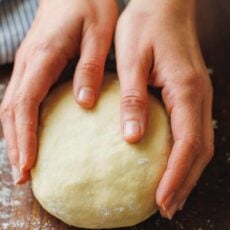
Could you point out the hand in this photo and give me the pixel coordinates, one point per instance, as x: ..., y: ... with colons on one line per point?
x: 156, y: 42
x: 61, y: 31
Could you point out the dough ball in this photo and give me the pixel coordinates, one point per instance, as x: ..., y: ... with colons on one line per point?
x: 86, y: 174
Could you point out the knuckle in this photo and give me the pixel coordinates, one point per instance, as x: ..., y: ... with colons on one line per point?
x: 23, y: 101
x: 187, y: 90
x: 12, y: 149
x: 134, y: 98
x: 91, y: 66
x: 6, y: 111
x: 191, y: 74
x: 193, y: 144
x: 195, y: 87
x: 46, y: 47
x: 191, y: 78
x: 186, y: 76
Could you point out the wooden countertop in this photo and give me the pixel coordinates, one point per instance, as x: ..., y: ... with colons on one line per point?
x: 208, y: 207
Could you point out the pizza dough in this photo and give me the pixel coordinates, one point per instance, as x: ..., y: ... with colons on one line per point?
x: 86, y: 174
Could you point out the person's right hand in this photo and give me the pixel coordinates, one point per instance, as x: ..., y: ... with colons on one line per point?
x: 167, y: 55
x: 61, y: 31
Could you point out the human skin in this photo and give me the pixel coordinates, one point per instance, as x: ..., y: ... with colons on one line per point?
x: 156, y: 44
x: 75, y: 28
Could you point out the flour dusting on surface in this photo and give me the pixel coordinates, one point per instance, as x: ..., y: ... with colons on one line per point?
x: 210, y: 71
x: 5, y: 191
x: 13, y: 198
x: 215, y: 124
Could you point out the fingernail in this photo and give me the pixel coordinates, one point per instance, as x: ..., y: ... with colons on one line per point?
x: 167, y: 201
x: 181, y: 206
x: 171, y: 211
x: 131, y: 129
x: 86, y: 96
x: 15, y: 174
x: 22, y: 161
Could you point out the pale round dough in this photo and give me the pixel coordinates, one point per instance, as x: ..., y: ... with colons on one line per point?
x: 86, y: 174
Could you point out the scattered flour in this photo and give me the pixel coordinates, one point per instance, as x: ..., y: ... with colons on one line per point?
x: 27, y: 223
x: 12, y: 200
x: 143, y: 161
x: 215, y: 124
x: 119, y: 209
x: 227, y: 155
x: 210, y: 71
x: 105, y: 211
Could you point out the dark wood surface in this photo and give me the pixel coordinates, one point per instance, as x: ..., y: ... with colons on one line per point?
x: 208, y: 207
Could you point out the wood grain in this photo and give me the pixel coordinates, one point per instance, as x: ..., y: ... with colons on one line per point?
x: 208, y: 207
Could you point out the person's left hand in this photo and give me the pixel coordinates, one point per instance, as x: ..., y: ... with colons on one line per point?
x: 156, y: 41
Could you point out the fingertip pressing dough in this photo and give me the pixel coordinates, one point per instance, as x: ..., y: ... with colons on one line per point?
x: 86, y: 174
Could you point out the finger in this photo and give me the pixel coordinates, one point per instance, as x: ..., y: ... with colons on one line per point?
x: 185, y: 113
x: 205, y: 156
x: 7, y: 116
x: 24, y: 177
x: 37, y: 78
x: 26, y: 113
x: 90, y: 68
x: 134, y: 107
x: 196, y: 170
x: 7, y: 119
x: 133, y: 71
